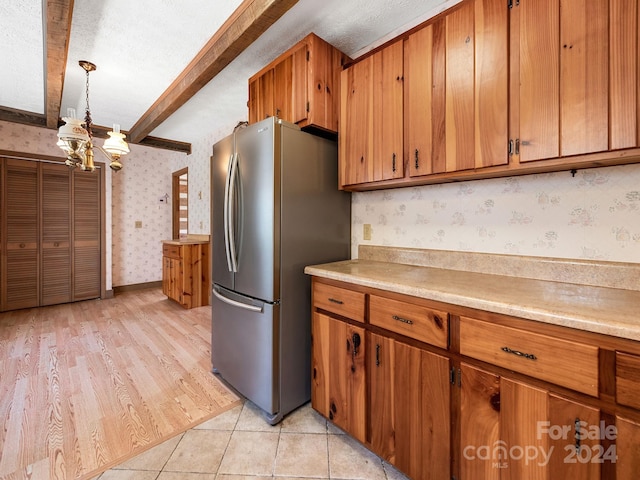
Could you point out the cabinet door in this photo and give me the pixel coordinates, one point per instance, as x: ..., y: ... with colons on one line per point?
x: 512, y: 430
x: 261, y: 97
x: 480, y: 423
x: 20, y: 274
x: 476, y: 86
x: 623, y: 74
x: 166, y: 276
x: 627, y: 449
x: 86, y: 236
x: 355, y: 142
x: 410, y: 408
x: 563, y: 77
x: 338, y: 387
x: 299, y: 84
x: 283, y: 90
x: 56, y: 234
x: 424, y: 89
x: 381, y: 395
x: 388, y: 113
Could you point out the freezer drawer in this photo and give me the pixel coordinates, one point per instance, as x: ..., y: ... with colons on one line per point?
x: 244, y: 350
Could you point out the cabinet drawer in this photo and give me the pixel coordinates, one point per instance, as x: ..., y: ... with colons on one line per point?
x: 571, y: 364
x: 339, y: 300
x: 415, y: 321
x: 172, y: 251
x: 628, y: 379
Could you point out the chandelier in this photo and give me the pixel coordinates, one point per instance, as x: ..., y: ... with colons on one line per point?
x: 76, y: 138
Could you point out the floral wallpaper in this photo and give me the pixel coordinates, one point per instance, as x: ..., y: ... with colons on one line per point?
x: 594, y: 215
x: 137, y: 190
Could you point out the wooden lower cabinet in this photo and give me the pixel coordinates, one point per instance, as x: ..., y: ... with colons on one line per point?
x: 185, y: 273
x: 501, y: 399
x: 512, y: 430
x: 338, y: 373
x: 409, y: 395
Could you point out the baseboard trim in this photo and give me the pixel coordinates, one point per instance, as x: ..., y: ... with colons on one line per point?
x: 136, y: 286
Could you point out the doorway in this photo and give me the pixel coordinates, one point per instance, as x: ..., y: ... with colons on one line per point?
x: 180, y: 196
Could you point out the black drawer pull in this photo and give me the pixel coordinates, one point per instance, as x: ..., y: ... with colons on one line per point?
x: 333, y: 300
x: 403, y: 320
x: 530, y: 356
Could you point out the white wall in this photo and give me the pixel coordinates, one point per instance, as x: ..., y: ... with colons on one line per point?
x: 594, y: 215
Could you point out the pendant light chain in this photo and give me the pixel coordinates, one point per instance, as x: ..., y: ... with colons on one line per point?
x: 87, y: 117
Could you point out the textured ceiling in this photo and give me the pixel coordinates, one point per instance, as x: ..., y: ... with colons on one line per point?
x: 141, y: 46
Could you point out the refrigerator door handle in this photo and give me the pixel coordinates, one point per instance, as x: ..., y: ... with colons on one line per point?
x: 232, y: 207
x: 235, y: 303
x: 225, y: 212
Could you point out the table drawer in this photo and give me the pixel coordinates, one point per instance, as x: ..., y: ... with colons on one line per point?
x: 339, y: 300
x: 415, y: 321
x: 171, y: 251
x: 567, y: 363
x: 628, y: 379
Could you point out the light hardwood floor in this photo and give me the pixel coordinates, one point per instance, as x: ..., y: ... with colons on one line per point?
x: 86, y: 386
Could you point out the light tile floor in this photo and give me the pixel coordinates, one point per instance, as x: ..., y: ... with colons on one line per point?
x: 240, y: 445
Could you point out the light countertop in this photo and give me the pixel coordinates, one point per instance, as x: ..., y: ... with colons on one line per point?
x: 185, y: 242
x: 605, y: 310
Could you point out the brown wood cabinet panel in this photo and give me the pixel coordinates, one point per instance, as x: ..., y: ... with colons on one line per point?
x: 414, y: 321
x: 628, y: 379
x: 381, y: 394
x: 388, y: 113
x: 576, y: 443
x: 356, y: 107
x: 521, y: 408
x: 261, y: 97
x: 538, y: 79
x: 346, y: 378
x: 299, y: 83
x: 283, y: 89
x: 627, y: 449
x: 623, y: 74
x: 563, y: 362
x: 491, y: 83
x: 480, y: 422
x: 460, y: 51
x: 584, y: 78
x: 424, y: 107
x: 410, y: 407
x: 341, y: 301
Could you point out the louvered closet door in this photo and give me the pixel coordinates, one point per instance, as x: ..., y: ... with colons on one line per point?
x: 56, y: 235
x: 86, y: 236
x: 20, y: 273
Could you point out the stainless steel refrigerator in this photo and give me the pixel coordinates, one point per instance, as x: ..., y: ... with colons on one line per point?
x: 276, y: 208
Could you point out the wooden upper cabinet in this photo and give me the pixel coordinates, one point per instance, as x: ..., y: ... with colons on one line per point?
x: 624, y: 130
x: 388, y: 80
x: 476, y: 85
x: 372, y: 114
x: 424, y: 100
x: 356, y: 111
x: 562, y: 71
x: 300, y: 86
